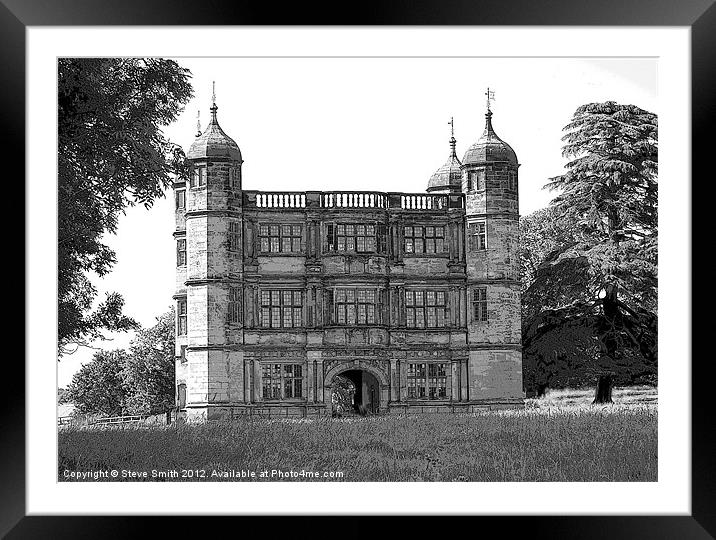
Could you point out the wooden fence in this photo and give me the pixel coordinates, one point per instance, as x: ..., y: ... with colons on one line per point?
x: 158, y: 419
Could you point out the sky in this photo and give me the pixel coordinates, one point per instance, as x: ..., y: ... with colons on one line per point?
x: 375, y: 124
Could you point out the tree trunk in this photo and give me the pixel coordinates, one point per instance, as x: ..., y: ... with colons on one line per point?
x: 541, y: 389
x: 609, y: 342
x: 603, y: 393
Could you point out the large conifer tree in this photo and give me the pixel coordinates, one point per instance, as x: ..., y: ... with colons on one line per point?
x: 605, y: 277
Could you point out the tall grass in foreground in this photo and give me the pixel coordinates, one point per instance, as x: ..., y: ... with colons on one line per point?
x: 554, y: 445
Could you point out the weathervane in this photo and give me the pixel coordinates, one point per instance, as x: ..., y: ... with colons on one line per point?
x: 490, y: 96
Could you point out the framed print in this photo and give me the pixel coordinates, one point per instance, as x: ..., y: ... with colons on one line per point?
x: 393, y: 284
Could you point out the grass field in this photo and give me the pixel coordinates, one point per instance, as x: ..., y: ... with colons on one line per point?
x: 554, y: 439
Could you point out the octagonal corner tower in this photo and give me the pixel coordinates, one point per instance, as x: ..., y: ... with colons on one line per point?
x: 490, y: 184
x: 210, y: 372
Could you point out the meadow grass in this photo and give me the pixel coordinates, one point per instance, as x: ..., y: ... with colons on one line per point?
x: 555, y: 439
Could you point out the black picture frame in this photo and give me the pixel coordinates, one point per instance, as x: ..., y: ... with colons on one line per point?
x: 699, y: 15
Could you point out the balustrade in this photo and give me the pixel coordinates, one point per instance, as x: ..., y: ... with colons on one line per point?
x: 353, y: 199
x: 280, y: 200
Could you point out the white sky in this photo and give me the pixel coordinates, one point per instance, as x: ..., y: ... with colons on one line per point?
x: 363, y: 123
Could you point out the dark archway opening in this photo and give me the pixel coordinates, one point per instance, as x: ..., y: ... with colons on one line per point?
x: 355, y: 392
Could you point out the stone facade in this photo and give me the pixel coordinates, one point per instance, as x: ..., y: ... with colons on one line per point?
x: 414, y: 297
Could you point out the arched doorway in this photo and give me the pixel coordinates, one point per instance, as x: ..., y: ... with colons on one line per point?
x: 355, y: 391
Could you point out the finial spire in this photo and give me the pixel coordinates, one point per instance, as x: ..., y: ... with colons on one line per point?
x: 490, y: 97
x: 198, y: 122
x: 213, y: 102
x: 452, y: 136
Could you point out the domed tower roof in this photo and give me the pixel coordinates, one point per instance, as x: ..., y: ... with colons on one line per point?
x: 213, y: 143
x: 448, y: 177
x: 489, y: 147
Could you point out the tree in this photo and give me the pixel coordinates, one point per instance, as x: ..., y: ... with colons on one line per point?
x: 111, y: 154
x: 603, y: 276
x: 62, y: 396
x: 540, y: 235
x: 97, y: 388
x: 149, y: 370
x: 138, y: 381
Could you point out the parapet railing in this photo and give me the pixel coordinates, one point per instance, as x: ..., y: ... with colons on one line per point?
x: 353, y: 199
x: 420, y: 201
x: 289, y: 199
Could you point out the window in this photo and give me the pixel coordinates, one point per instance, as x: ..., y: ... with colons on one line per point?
x: 416, y: 380
x: 182, y: 353
x: 476, y: 180
x: 181, y: 252
x: 234, y: 236
x: 281, y: 309
x: 477, y: 236
x: 198, y: 178
x: 285, y: 238
x: 181, y: 395
x: 282, y: 381
x: 181, y: 199
x: 352, y: 237
x: 235, y: 305
x: 425, y: 239
x: 181, y: 319
x: 427, y: 381
x: 355, y: 237
x: 234, y: 178
x: 356, y: 306
x: 271, y: 381
x: 425, y: 309
x: 437, y: 381
x: 292, y: 381
x: 479, y: 304
x: 512, y: 181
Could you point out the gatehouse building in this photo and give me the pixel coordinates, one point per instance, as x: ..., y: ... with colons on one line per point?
x: 412, y: 297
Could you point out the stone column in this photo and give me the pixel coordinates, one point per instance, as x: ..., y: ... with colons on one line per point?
x: 396, y: 228
x: 455, y: 381
x: 454, y: 256
x: 256, y: 309
x: 321, y: 395
x: 394, y: 381
x: 315, y: 385
x: 454, y: 306
x: 394, y: 306
x: 402, y: 315
x: 251, y: 246
x: 464, y: 379
x: 252, y: 379
x: 308, y: 381
x: 459, y: 311
x: 461, y: 241
x: 245, y: 378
